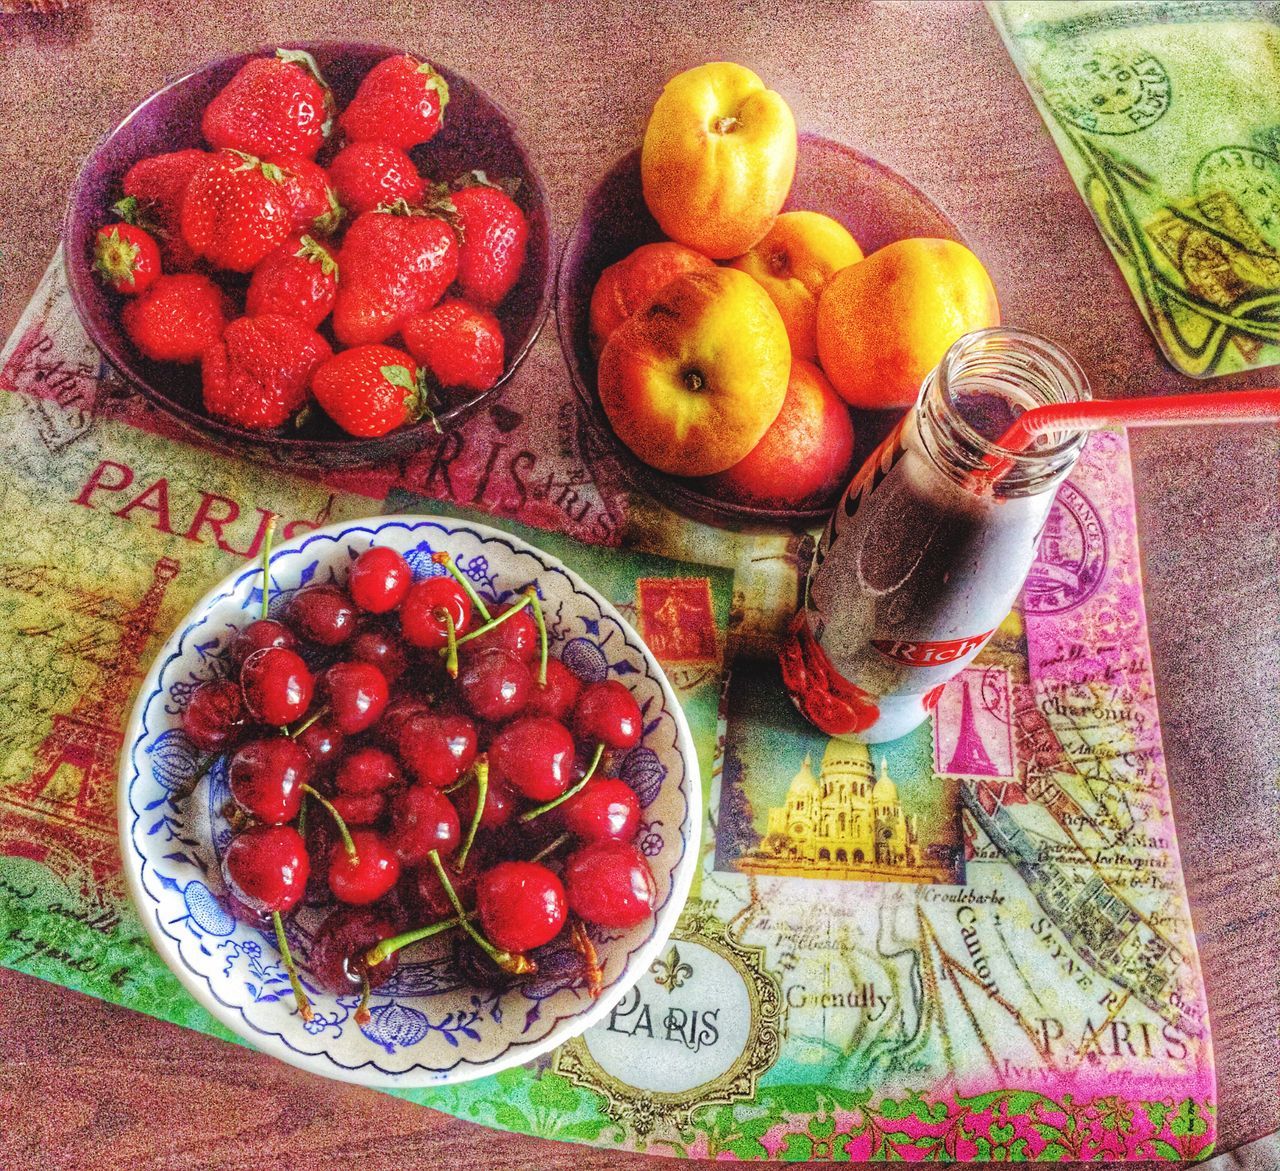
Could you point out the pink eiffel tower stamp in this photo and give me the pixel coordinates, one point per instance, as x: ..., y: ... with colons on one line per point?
x: 972, y: 735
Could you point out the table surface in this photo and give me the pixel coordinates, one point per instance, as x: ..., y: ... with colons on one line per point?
x: 928, y: 89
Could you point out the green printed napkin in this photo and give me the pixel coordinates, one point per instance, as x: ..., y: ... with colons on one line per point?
x: 1168, y: 117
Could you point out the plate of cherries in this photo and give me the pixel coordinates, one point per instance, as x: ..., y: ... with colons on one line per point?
x: 407, y: 802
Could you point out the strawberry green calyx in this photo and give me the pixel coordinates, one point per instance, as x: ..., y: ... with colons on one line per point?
x: 417, y: 404
x: 328, y: 223
x: 508, y: 185
x: 115, y: 257
x: 304, y: 59
x: 248, y: 162
x: 436, y: 82
x: 438, y: 202
x: 130, y: 209
x: 318, y: 254
x: 399, y: 207
x: 273, y: 172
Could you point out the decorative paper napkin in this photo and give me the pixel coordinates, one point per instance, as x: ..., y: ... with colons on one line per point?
x: 1168, y: 117
x: 972, y: 943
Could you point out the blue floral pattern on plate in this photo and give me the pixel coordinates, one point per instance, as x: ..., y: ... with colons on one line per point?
x: 426, y: 1026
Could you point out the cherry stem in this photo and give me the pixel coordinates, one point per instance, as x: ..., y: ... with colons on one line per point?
x: 462, y: 782
x: 451, y: 648
x: 493, y: 622
x: 304, y: 1005
x: 476, y: 600
x: 363, y: 1016
x: 381, y: 951
x: 347, y: 843
x: 266, y: 562
x: 515, y: 965
x: 482, y: 794
x: 551, y: 848
x: 311, y: 719
x: 183, y: 791
x: 539, y: 810
x: 584, y: 947
x: 536, y: 603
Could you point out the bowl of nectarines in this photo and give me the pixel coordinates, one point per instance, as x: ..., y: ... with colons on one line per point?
x: 648, y: 399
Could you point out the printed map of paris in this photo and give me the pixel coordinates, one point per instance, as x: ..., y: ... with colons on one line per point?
x: 972, y: 943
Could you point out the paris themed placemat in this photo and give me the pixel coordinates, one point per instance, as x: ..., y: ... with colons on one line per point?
x: 1167, y: 114
x: 972, y: 943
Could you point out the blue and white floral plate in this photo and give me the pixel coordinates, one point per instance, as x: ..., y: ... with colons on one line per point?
x: 428, y: 1026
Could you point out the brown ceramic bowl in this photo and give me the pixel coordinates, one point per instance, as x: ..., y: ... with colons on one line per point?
x: 875, y: 203
x: 476, y: 134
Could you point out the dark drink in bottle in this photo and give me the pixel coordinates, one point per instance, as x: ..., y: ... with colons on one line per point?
x: 925, y: 555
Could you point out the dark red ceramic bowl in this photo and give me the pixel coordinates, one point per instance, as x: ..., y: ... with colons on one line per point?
x: 875, y: 203
x: 476, y: 134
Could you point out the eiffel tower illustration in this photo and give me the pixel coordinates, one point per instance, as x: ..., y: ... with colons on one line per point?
x: 64, y: 813
x: 970, y: 757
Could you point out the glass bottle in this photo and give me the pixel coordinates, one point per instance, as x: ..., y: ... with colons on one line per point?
x: 925, y: 555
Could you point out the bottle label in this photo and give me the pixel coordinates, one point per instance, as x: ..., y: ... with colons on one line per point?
x: 919, y: 653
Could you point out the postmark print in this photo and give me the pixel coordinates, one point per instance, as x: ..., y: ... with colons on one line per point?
x: 1106, y: 91
x: 1072, y: 558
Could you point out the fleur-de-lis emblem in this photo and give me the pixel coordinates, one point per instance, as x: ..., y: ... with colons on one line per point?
x: 670, y: 971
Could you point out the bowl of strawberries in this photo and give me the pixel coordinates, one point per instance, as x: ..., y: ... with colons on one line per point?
x: 408, y: 802
x: 321, y: 255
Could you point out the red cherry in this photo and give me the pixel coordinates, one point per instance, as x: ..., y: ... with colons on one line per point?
x: 604, y: 809
x: 607, y: 713
x: 495, y: 684
x: 379, y: 580
x: 266, y: 778
x: 261, y: 920
x: 422, y: 820
x: 375, y: 871
x: 518, y: 634
x: 359, y: 808
x: 262, y: 633
x: 323, y: 614
x: 521, y: 905
x: 376, y: 646
x: 323, y: 743
x: 418, y: 612
x: 500, y: 804
x: 610, y: 884
x: 215, y: 715
x: 534, y: 755
x: 357, y: 695
x: 368, y: 770
x: 430, y: 893
x: 396, y: 715
x: 266, y: 867
x: 277, y: 685
x: 556, y: 697
x: 437, y: 750
x: 336, y: 955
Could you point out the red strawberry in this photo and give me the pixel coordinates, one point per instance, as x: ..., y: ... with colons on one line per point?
x: 258, y: 375
x: 495, y: 236
x: 298, y: 279
x: 177, y: 319
x: 460, y: 344
x: 371, y: 174
x: 156, y: 187
x: 236, y: 210
x: 274, y: 106
x: 401, y: 101
x: 315, y: 204
x: 370, y: 390
x: 126, y: 258
x: 395, y: 264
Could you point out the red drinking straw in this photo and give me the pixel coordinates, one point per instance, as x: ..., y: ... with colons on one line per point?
x: 1175, y: 410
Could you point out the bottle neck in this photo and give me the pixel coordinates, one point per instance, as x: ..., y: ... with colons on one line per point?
x: 983, y: 383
